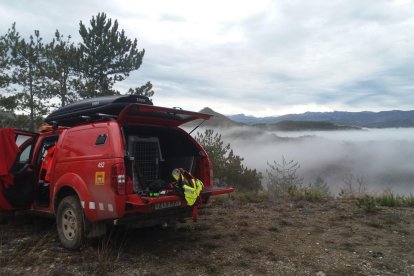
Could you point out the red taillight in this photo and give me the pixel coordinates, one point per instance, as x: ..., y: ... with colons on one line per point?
x: 118, y: 178
x: 205, y: 171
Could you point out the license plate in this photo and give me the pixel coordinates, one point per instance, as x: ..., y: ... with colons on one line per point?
x: 169, y: 204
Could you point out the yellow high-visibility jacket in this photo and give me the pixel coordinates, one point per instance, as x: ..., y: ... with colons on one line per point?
x: 192, y: 189
x: 191, y: 186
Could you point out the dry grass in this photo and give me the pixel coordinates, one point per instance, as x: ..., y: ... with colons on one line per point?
x: 263, y: 238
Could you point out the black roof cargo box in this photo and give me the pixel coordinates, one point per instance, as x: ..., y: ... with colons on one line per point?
x: 109, y: 105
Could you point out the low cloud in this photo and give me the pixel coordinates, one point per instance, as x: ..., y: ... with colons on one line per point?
x: 381, y: 158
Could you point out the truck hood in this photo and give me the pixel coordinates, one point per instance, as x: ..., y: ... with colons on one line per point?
x: 156, y: 115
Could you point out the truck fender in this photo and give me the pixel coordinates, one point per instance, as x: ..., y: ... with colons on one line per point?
x: 72, y: 181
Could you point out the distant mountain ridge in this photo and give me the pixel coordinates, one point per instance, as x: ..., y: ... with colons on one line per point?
x: 382, y: 119
x: 222, y: 121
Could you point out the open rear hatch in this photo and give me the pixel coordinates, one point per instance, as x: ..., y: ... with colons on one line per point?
x: 156, y: 115
x: 137, y: 114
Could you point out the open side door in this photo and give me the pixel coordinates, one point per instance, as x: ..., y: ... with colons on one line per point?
x: 16, y: 172
x: 156, y: 115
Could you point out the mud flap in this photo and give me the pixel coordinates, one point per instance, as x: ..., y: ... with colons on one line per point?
x: 195, y: 212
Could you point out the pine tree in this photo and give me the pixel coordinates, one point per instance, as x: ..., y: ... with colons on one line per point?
x: 107, y: 56
x: 282, y: 176
x: 26, y: 61
x: 144, y: 90
x: 61, y: 69
x: 4, y: 63
x: 227, y: 166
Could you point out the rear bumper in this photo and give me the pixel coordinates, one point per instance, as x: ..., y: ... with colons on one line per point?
x: 145, y: 201
x: 138, y: 205
x: 164, y: 206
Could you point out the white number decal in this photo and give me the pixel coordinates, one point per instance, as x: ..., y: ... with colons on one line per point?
x: 101, y: 164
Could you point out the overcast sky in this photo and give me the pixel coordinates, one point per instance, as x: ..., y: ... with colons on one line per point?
x: 255, y: 57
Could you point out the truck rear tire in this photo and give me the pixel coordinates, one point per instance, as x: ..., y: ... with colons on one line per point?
x: 70, y: 223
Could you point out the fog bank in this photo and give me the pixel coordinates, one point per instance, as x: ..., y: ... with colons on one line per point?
x: 383, y: 158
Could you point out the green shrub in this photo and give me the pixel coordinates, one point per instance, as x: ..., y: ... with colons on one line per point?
x: 410, y: 201
x: 321, y: 186
x: 314, y: 195
x: 368, y: 204
x: 282, y: 177
x: 310, y: 193
x: 283, y: 181
x: 228, y: 167
x: 389, y: 199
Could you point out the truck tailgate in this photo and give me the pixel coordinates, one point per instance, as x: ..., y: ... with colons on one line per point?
x: 146, y: 200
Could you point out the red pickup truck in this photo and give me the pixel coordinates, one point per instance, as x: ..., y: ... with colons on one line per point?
x: 103, y: 161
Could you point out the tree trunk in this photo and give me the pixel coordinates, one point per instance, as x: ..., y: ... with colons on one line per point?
x: 64, y: 90
x: 31, y: 101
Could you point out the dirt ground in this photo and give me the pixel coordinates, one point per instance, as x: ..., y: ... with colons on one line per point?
x: 231, y: 238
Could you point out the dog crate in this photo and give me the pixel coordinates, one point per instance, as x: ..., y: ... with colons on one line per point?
x: 146, y: 153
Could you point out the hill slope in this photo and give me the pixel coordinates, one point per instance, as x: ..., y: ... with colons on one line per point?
x: 218, y: 120
x: 304, y: 125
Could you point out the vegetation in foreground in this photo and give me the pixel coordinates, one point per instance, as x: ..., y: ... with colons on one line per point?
x: 237, y: 235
